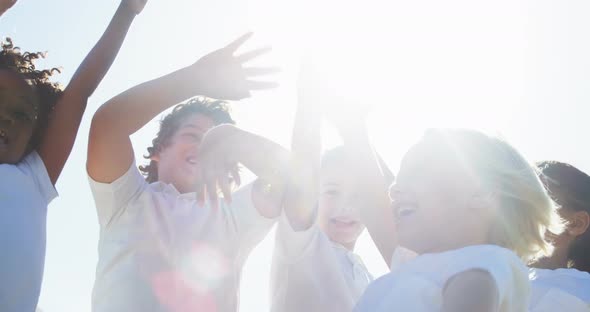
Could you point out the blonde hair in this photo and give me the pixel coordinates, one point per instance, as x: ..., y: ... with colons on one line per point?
x: 524, y: 212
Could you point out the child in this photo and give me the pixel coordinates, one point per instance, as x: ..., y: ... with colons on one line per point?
x: 161, y: 248
x: 471, y: 207
x: 314, y: 265
x: 562, y: 281
x: 38, y: 126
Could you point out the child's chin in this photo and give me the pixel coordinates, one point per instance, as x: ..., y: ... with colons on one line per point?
x: 345, y: 238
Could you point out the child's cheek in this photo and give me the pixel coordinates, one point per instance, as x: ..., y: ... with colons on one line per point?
x: 325, y: 211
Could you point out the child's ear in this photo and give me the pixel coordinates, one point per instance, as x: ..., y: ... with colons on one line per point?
x: 579, y: 223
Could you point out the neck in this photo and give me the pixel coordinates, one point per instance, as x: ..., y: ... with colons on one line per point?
x: 557, y: 260
x: 349, y: 246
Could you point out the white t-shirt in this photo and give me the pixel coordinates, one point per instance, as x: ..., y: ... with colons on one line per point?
x: 25, y: 192
x: 311, y: 273
x: 160, y: 251
x: 418, y: 285
x: 560, y: 290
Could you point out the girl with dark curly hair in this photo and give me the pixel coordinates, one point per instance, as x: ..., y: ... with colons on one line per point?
x: 38, y: 125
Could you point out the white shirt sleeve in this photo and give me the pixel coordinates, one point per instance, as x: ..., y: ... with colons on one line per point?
x: 112, y: 198
x: 507, y: 270
x: 33, y: 165
x: 249, y: 225
x: 293, y: 245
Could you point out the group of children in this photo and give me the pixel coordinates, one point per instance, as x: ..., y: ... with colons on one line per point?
x: 467, y: 224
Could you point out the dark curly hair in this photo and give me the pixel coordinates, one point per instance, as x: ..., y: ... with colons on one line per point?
x: 215, y: 109
x: 570, y: 188
x: 46, y: 92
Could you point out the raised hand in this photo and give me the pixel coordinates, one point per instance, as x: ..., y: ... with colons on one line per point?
x: 221, y: 74
x: 5, y: 5
x: 218, y: 164
x: 134, y: 6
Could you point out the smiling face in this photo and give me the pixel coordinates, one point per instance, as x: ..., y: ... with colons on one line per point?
x: 436, y: 203
x: 339, y: 204
x: 178, y: 160
x: 18, y: 117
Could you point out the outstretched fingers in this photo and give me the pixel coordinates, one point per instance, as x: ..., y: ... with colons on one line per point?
x: 236, y: 44
x: 248, y: 56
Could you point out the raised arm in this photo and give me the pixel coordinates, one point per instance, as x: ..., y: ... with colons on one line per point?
x: 5, y: 5
x: 301, y: 198
x: 373, y: 178
x: 225, y: 146
x: 219, y: 74
x: 63, y: 126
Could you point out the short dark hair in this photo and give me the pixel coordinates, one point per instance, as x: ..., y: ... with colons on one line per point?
x: 569, y: 187
x: 215, y: 109
x: 47, y: 92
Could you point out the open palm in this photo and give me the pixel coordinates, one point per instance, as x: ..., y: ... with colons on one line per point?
x: 221, y: 74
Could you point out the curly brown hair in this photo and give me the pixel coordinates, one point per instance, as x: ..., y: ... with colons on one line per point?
x: 46, y: 92
x: 215, y: 109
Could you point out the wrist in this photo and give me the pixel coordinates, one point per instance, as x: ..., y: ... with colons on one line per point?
x: 126, y: 10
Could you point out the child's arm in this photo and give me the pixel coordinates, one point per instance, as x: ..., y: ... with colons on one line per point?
x: 223, y: 147
x: 219, y: 74
x: 65, y: 120
x: 301, y: 198
x: 373, y: 180
x: 5, y: 5
x: 473, y: 290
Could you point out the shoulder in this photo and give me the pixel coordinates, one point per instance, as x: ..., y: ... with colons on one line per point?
x: 472, y: 290
x: 33, y: 168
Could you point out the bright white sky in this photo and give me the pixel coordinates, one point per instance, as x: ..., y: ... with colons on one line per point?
x: 517, y: 67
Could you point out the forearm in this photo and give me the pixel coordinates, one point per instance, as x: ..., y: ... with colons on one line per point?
x: 304, y: 167
x: 5, y: 5
x: 109, y: 148
x: 129, y: 111
x: 63, y: 126
x: 373, y: 179
x: 267, y: 160
x: 97, y: 63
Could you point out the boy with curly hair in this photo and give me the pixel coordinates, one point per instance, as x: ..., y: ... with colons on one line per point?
x: 38, y: 126
x: 162, y: 248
